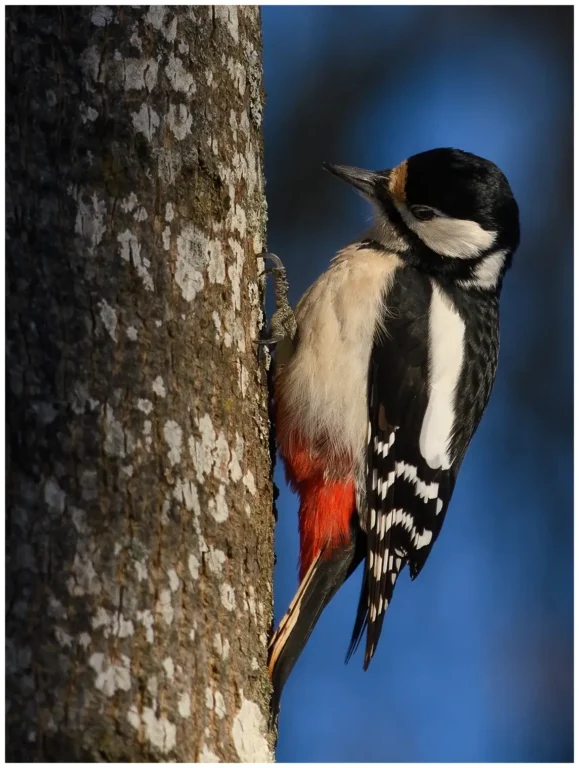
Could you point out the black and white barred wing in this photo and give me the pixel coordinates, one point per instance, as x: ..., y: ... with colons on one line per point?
x: 406, y: 498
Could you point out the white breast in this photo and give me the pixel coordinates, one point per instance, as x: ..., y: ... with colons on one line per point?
x: 324, y: 385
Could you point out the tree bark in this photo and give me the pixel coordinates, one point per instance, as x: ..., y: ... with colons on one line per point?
x: 139, y: 490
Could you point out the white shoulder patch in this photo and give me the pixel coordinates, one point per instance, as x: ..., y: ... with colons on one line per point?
x: 446, y: 351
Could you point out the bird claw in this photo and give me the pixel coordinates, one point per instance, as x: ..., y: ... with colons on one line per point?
x: 283, y: 323
x: 278, y: 264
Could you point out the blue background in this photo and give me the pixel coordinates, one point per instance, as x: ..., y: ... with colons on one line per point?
x: 476, y: 658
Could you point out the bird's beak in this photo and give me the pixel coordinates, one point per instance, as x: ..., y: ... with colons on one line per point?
x: 364, y: 181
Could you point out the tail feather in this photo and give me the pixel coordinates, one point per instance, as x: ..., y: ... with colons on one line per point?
x: 361, y: 618
x: 323, y: 579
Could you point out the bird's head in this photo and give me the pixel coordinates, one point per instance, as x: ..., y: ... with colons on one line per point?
x: 453, y: 214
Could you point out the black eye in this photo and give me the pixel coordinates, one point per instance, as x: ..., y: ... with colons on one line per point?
x: 422, y: 212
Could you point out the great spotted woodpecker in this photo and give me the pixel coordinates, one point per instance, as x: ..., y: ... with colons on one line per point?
x: 382, y: 376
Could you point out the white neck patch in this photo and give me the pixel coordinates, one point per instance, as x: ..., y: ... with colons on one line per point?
x: 454, y: 238
x: 486, y: 274
x: 446, y: 351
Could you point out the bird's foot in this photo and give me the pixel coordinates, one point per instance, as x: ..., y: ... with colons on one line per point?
x: 283, y: 322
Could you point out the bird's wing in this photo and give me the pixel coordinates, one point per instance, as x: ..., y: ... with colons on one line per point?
x: 406, y: 498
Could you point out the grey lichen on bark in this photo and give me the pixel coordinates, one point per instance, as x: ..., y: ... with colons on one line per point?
x: 139, y: 492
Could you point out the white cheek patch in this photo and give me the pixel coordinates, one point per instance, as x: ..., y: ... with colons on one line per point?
x: 486, y: 274
x: 446, y: 357
x: 455, y: 238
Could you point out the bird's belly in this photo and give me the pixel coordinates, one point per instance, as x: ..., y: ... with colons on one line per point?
x: 322, y: 391
x: 321, y: 397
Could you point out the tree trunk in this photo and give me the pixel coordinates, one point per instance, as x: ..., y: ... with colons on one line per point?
x: 139, y: 492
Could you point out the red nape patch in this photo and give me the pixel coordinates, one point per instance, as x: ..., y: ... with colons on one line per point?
x: 326, y: 507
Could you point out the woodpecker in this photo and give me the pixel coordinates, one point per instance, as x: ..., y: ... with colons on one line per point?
x: 382, y: 375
